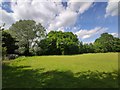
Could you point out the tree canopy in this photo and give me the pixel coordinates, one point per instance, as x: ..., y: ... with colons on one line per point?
x: 30, y: 38
x: 58, y: 42
x: 107, y: 43
x: 28, y: 33
x: 8, y: 42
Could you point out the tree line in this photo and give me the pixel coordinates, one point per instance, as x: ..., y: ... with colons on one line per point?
x: 26, y: 37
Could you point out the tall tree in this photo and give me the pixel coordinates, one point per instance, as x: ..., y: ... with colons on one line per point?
x: 58, y: 42
x: 106, y: 43
x: 28, y: 33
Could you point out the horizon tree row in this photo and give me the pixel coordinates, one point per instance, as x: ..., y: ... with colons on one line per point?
x: 26, y: 37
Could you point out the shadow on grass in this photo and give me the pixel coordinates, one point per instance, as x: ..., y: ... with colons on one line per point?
x: 20, y: 77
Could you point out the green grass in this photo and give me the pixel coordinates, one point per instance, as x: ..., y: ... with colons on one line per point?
x: 75, y: 71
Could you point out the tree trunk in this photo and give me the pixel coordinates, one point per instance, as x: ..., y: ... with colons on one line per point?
x: 27, y: 52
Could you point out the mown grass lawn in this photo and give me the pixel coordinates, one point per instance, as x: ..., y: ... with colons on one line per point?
x: 76, y: 71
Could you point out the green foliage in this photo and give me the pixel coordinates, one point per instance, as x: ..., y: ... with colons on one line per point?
x: 116, y: 45
x: 48, y: 47
x: 28, y: 33
x: 67, y: 43
x: 32, y: 40
x: 8, y: 42
x: 4, y: 53
x: 58, y: 42
x: 107, y: 43
x: 88, y: 48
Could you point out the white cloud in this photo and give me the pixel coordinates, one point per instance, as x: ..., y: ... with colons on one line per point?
x: 43, y: 12
x: 79, y: 7
x: 84, y: 34
x: 65, y: 18
x: 114, y: 34
x: 6, y: 18
x: 50, y: 13
x: 85, y: 42
x: 112, y: 8
x: 68, y: 16
x: 114, y: 0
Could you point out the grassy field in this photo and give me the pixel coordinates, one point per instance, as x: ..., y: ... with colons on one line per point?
x: 75, y: 71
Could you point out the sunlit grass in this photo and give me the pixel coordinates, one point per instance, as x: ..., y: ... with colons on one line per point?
x: 76, y: 63
x: 85, y: 70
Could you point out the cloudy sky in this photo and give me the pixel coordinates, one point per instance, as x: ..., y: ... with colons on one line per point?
x: 85, y: 19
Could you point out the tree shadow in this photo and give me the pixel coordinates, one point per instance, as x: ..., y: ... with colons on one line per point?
x: 22, y: 77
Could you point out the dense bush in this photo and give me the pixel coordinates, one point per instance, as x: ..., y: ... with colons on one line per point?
x: 8, y: 44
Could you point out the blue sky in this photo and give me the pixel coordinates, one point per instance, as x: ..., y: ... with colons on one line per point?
x: 86, y: 20
x: 6, y: 6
